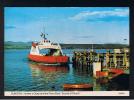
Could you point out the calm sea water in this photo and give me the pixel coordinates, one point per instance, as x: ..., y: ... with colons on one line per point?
x: 23, y: 75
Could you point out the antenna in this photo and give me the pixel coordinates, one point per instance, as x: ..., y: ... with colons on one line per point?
x: 44, y: 30
x: 43, y: 34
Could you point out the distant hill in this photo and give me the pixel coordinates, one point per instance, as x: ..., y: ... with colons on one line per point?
x: 95, y: 46
x: 17, y: 45
x: 27, y: 45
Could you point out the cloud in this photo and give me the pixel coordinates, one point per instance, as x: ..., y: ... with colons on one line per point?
x: 118, y: 13
x: 10, y: 27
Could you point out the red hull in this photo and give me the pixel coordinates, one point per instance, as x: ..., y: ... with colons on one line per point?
x: 49, y: 59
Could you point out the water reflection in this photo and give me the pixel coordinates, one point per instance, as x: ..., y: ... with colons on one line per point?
x: 50, y: 78
x: 83, y: 71
x: 49, y: 68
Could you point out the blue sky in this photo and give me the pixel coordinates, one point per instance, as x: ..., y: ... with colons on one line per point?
x: 68, y: 24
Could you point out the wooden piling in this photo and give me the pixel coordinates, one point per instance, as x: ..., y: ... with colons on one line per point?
x: 115, y: 59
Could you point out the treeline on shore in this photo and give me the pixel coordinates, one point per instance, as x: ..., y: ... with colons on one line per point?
x: 27, y: 45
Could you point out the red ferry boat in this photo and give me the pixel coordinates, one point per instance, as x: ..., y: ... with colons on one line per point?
x: 47, y: 52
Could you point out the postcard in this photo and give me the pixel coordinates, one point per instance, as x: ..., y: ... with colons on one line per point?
x: 66, y: 51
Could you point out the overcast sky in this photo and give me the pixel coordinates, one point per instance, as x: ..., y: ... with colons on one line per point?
x: 68, y: 24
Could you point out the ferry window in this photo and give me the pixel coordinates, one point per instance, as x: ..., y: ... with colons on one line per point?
x: 44, y: 51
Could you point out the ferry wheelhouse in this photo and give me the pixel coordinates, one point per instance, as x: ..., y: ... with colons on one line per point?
x: 52, y: 52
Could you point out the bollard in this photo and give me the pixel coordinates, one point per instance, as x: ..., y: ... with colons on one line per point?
x: 96, y: 67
